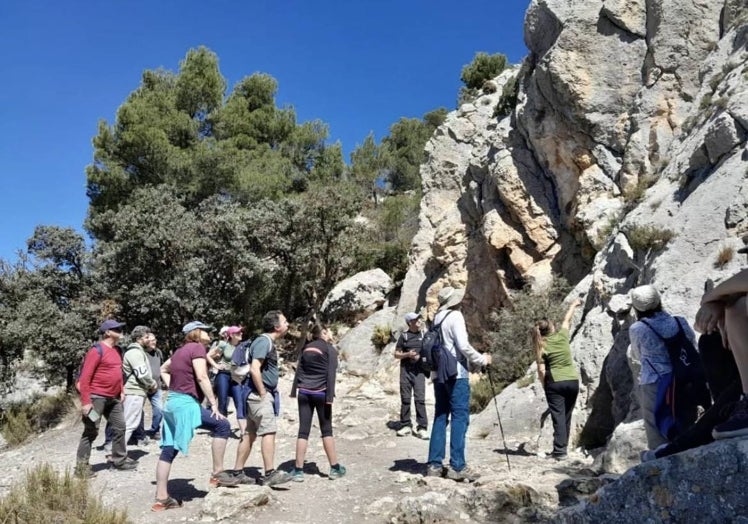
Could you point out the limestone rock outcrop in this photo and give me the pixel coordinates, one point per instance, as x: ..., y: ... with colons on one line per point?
x: 624, y: 162
x: 364, y: 292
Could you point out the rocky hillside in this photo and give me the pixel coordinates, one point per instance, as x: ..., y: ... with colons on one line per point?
x: 622, y: 162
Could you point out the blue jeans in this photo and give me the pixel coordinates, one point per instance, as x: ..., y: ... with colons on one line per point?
x: 224, y: 387
x: 452, y: 399
x: 156, y: 412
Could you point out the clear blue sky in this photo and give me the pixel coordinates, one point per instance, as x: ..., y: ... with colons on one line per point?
x: 357, y: 65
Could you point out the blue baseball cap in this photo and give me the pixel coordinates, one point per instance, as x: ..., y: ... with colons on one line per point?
x: 196, y: 324
x: 110, y: 324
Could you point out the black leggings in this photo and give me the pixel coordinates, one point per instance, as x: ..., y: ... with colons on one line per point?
x: 307, y: 405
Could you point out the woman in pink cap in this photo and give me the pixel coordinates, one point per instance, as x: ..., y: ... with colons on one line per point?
x: 220, y: 361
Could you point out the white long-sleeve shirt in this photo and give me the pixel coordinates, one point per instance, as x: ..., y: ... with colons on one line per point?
x: 454, y: 333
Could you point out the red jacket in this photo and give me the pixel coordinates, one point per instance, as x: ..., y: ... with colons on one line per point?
x: 101, y: 375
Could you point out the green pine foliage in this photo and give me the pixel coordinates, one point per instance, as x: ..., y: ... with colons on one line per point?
x: 483, y: 67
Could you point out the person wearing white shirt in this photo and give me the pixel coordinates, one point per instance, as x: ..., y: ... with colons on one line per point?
x: 452, y: 396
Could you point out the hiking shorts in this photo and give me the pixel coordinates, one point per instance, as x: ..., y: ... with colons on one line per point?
x: 261, y: 414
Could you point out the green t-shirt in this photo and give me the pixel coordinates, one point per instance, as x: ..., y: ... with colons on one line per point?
x: 263, y: 348
x: 557, y: 356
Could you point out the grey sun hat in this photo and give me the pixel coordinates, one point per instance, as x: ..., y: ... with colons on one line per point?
x: 196, y: 324
x: 645, y: 298
x: 449, y: 297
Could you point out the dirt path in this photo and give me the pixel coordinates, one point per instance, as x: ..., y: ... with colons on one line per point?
x: 382, y: 468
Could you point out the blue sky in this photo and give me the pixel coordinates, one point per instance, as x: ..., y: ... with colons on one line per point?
x: 358, y: 66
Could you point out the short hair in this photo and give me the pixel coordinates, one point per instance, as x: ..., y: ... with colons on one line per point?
x: 139, y: 332
x: 649, y: 313
x: 193, y: 336
x: 271, y: 320
x: 317, y: 330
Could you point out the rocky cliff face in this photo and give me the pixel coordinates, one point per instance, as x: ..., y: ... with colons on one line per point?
x: 624, y: 161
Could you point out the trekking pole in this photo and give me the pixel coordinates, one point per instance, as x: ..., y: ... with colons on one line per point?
x: 498, y: 416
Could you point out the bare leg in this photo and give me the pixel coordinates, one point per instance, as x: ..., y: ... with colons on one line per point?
x: 218, y: 449
x: 736, y: 325
x: 163, y: 469
x: 301, y: 445
x: 328, y: 443
x: 243, y: 450
x: 268, y: 450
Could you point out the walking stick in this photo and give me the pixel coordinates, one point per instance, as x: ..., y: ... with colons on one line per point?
x: 501, y: 427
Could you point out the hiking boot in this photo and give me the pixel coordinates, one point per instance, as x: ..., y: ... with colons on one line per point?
x: 421, y: 433
x: 126, y: 465
x: 297, y: 475
x: 466, y: 474
x: 275, y: 478
x: 403, y: 431
x: 223, y: 478
x: 435, y: 471
x: 242, y: 477
x: 336, y: 472
x: 736, y: 425
x: 83, y: 471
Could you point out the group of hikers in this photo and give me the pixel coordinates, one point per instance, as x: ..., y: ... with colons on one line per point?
x: 116, y: 386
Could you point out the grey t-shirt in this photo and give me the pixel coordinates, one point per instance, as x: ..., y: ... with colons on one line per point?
x: 263, y: 348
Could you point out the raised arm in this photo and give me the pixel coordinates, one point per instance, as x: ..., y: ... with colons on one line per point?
x: 566, y: 323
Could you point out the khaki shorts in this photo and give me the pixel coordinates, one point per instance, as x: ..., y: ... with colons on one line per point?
x: 260, y: 414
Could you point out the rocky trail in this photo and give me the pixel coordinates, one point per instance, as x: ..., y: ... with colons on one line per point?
x: 384, y: 482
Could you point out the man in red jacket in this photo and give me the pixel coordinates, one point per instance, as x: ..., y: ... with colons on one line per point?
x: 101, y: 395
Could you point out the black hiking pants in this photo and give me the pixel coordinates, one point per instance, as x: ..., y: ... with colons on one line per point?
x: 561, y: 397
x: 413, y: 384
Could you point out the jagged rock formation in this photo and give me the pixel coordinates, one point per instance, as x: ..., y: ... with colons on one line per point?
x: 364, y: 292
x: 623, y: 162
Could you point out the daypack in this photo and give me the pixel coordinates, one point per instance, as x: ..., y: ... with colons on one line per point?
x: 77, y: 375
x: 434, y: 356
x: 681, y: 392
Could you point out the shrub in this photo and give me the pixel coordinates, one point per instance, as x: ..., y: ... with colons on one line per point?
x: 483, y: 67
x: 645, y: 238
x: 509, y: 333
x: 21, y: 421
x: 508, y: 100
x: 48, y: 496
x: 706, y: 101
x: 724, y: 257
x: 381, y: 337
x: 635, y: 195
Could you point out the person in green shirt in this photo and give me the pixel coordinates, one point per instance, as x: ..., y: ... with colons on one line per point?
x: 558, y: 375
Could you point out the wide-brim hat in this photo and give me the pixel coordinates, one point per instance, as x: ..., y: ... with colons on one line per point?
x: 645, y: 298
x: 449, y: 297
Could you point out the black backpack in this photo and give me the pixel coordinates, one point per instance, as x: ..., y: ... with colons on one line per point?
x: 682, y: 391
x: 433, y: 355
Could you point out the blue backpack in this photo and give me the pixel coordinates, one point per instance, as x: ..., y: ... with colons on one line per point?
x: 435, y: 357
x: 680, y: 392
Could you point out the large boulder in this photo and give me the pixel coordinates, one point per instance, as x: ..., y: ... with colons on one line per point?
x: 358, y: 355
x: 705, y: 484
x: 364, y: 292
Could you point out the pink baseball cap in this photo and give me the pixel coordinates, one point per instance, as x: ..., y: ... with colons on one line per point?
x: 233, y: 329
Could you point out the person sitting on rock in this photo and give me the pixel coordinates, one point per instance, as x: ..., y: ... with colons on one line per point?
x: 723, y: 310
x: 315, y: 384
x: 646, y: 335
x: 412, y: 378
x: 558, y: 375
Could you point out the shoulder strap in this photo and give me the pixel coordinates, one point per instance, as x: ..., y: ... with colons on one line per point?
x: 439, y: 325
x: 653, y: 330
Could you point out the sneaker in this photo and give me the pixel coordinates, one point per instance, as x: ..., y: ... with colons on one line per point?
x: 241, y: 476
x: 421, y: 433
x: 736, y: 425
x: 297, y: 475
x: 278, y: 476
x: 403, y: 431
x: 223, y: 478
x: 167, y: 503
x: 127, y: 465
x: 336, y: 473
x: 556, y: 456
x: 466, y: 474
x: 434, y: 471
